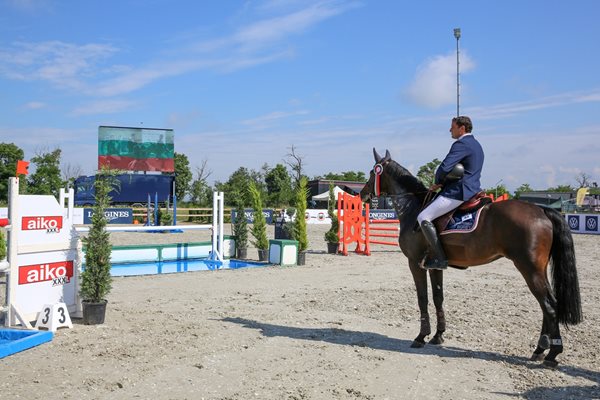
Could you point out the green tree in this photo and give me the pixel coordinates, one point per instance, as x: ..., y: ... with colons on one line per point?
x: 352, y: 176
x: 426, y: 172
x: 47, y: 178
x: 200, y: 191
x: 497, y: 191
x: 300, y: 233
x: 96, y: 281
x: 259, y: 226
x: 240, y: 228
x: 236, y: 186
x: 183, y: 176
x: 561, y: 188
x: 525, y: 187
x: 331, y: 236
x: 279, y: 186
x: 10, y: 153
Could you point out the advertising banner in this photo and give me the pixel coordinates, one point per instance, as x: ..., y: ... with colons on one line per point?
x: 268, y: 213
x: 382, y: 214
x: 583, y: 223
x: 113, y: 215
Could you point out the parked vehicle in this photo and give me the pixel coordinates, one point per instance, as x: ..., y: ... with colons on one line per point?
x: 134, y: 189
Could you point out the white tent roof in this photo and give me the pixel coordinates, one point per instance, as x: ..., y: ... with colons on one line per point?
x: 325, y: 195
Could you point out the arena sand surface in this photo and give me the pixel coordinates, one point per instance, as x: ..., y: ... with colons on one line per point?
x: 336, y: 328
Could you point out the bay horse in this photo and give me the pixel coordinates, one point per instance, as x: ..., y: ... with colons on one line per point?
x: 528, y: 235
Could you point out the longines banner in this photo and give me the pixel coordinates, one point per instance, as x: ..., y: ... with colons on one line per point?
x: 268, y: 213
x: 583, y: 223
x: 113, y: 215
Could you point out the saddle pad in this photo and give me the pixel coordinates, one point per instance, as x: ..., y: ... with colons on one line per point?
x: 463, y: 222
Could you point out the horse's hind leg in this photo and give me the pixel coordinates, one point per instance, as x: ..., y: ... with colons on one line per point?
x: 437, y: 289
x: 550, y: 336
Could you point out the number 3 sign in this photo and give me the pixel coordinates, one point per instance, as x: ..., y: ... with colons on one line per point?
x: 54, y: 316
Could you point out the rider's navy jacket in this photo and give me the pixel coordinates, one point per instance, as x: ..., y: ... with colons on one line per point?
x: 469, y: 153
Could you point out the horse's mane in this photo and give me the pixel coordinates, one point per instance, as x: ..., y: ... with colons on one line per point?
x: 403, y: 176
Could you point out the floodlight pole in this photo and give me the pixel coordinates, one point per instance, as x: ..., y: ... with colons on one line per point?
x: 457, y: 36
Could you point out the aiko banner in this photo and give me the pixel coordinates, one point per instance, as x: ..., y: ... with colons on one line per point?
x: 583, y: 223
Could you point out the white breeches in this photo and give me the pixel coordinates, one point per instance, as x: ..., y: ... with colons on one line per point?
x: 440, y: 206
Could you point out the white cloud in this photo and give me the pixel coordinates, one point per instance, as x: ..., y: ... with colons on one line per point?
x: 34, y: 105
x: 104, y: 107
x: 512, y: 109
x: 63, y: 64
x: 276, y: 115
x: 80, y: 67
x: 434, y: 84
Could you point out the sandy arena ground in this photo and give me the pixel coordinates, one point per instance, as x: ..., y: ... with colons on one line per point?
x: 337, y: 328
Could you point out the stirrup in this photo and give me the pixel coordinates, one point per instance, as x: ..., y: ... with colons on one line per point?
x: 434, y: 263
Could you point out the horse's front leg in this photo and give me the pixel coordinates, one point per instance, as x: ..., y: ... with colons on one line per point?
x: 420, y: 278
x: 437, y: 290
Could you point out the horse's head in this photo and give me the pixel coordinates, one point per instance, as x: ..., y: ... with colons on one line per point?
x: 389, y: 178
x: 378, y: 182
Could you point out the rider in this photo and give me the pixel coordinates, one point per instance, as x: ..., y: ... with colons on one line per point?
x: 467, y: 151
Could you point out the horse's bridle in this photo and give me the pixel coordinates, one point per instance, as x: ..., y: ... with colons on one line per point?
x: 378, y: 171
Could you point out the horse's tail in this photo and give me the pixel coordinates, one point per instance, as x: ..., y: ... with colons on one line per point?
x: 564, y: 270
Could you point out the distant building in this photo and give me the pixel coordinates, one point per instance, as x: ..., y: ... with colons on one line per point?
x: 547, y: 199
x: 319, y: 186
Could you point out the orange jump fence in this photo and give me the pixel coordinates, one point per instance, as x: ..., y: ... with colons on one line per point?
x: 356, y: 227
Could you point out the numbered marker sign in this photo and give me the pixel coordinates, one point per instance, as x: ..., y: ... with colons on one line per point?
x: 54, y: 316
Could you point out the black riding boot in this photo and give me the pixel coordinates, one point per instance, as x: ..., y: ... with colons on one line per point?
x: 436, y: 259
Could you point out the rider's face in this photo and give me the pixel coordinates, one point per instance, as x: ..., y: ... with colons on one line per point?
x: 456, y: 131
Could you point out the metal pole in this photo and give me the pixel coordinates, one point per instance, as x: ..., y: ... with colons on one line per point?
x: 457, y: 36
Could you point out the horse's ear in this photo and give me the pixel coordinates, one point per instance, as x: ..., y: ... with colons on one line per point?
x: 376, y: 155
x: 388, y: 156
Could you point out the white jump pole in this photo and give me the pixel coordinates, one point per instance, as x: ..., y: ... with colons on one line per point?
x: 217, y: 223
x: 13, y: 232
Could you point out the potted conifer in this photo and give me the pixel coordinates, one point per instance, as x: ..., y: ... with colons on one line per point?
x: 259, y: 226
x: 96, y: 281
x: 300, y: 233
x: 240, y: 231
x: 331, y: 236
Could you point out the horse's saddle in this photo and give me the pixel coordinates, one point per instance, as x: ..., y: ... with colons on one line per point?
x: 464, y: 216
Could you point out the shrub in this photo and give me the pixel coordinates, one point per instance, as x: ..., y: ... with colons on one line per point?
x: 300, y: 233
x: 259, y: 227
x: 331, y: 236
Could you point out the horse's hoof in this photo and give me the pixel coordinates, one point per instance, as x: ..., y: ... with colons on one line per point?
x: 417, y: 344
x: 537, y: 357
x: 436, y: 340
x: 550, y: 364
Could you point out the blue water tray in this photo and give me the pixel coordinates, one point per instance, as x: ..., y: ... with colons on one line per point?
x: 15, y: 340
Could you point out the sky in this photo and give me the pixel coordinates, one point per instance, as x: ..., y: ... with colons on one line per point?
x: 241, y: 82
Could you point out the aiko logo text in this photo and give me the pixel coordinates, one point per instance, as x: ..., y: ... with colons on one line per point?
x: 59, y: 272
x: 49, y: 223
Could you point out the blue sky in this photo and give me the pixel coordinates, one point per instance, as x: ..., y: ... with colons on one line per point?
x: 240, y: 82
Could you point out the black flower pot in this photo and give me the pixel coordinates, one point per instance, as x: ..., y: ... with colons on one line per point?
x: 93, y: 313
x: 301, y: 258
x: 263, y: 255
x: 242, y: 254
x: 332, y: 248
